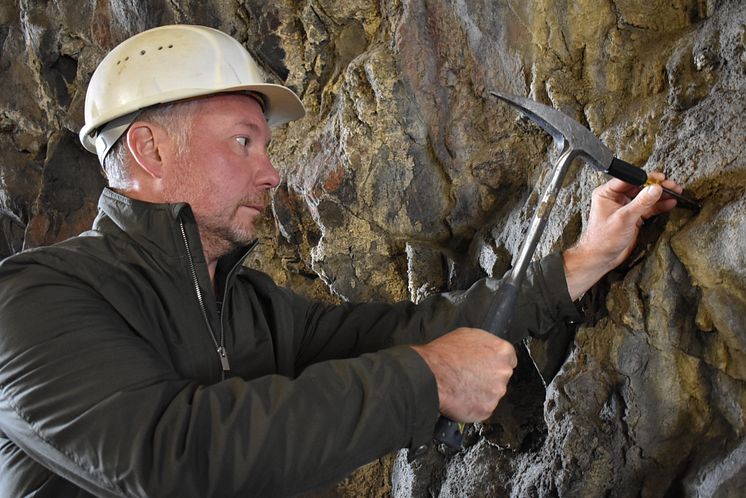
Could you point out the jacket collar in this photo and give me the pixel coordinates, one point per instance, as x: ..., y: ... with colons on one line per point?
x: 157, y: 227
x: 153, y: 226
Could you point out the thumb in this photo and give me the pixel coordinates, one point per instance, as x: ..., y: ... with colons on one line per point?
x: 644, y: 201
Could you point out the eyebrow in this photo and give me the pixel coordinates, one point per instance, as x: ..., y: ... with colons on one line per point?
x: 254, y: 127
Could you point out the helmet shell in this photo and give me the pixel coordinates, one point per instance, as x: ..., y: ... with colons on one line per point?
x: 172, y: 63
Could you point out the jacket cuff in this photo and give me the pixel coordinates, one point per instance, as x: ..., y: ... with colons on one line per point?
x: 544, y: 301
x: 424, y: 395
x: 552, y: 270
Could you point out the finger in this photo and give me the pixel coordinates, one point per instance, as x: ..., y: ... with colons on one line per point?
x: 664, y: 205
x: 667, y: 202
x: 617, y: 191
x: 660, y: 178
x: 513, y: 357
x: 643, y: 205
x: 673, y: 186
x: 618, y: 186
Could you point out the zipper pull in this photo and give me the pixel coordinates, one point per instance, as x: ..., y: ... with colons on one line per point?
x: 224, y: 359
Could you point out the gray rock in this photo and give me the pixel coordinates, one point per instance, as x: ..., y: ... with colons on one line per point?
x: 407, y: 178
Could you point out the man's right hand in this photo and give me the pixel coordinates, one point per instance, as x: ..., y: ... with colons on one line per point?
x: 472, y: 368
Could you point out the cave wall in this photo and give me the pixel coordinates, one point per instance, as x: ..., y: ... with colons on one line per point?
x: 407, y: 178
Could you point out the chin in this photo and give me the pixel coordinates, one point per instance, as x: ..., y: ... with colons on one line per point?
x: 244, y: 236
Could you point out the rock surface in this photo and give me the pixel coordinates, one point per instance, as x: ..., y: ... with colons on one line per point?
x: 407, y: 178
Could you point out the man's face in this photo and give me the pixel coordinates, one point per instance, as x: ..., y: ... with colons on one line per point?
x: 225, y: 173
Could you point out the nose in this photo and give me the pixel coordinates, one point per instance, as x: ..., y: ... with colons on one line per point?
x: 267, y: 175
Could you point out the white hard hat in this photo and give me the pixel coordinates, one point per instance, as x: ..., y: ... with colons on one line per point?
x: 167, y: 64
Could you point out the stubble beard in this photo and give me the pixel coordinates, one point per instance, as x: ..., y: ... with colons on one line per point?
x: 224, y: 232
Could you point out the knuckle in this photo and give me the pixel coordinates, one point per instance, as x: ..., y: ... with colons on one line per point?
x: 487, y: 413
x: 487, y: 408
x: 504, y: 346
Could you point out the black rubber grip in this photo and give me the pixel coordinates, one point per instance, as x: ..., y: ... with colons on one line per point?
x: 500, y: 315
x: 497, y: 322
x: 627, y: 172
x: 448, y: 432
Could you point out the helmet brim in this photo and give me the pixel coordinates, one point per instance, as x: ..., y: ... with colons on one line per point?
x: 281, y: 105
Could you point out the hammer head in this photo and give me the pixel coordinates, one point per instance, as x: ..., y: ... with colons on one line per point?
x: 566, y: 132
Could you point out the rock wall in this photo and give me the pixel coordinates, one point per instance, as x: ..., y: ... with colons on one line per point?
x: 407, y: 178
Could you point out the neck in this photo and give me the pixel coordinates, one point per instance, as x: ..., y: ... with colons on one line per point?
x: 211, y: 266
x: 214, y: 248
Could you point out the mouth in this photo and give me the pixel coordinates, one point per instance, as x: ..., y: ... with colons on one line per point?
x: 257, y: 203
x: 256, y: 207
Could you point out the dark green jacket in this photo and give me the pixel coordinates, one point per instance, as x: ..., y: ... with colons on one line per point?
x: 110, y: 382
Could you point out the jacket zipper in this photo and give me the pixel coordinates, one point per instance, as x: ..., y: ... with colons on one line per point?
x: 225, y: 295
x: 219, y: 346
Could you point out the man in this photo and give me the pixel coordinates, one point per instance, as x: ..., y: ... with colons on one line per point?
x: 142, y: 359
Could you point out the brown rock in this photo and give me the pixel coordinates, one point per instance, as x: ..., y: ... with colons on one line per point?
x: 406, y: 178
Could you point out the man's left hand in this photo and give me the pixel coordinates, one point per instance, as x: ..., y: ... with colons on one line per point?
x: 618, y: 210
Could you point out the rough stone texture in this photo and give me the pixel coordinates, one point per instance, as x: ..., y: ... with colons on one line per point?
x: 406, y: 178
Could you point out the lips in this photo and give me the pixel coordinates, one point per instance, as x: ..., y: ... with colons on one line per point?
x: 256, y: 207
x: 258, y: 202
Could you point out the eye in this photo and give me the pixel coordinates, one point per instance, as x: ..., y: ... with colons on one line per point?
x: 243, y: 141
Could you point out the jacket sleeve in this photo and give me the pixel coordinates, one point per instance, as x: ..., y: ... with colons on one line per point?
x: 544, y: 309
x: 89, y: 399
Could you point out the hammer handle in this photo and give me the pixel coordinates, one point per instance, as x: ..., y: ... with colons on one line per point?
x: 500, y: 314
x: 627, y: 172
x: 498, y: 319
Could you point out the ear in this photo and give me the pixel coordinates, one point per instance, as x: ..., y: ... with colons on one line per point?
x: 144, y: 140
